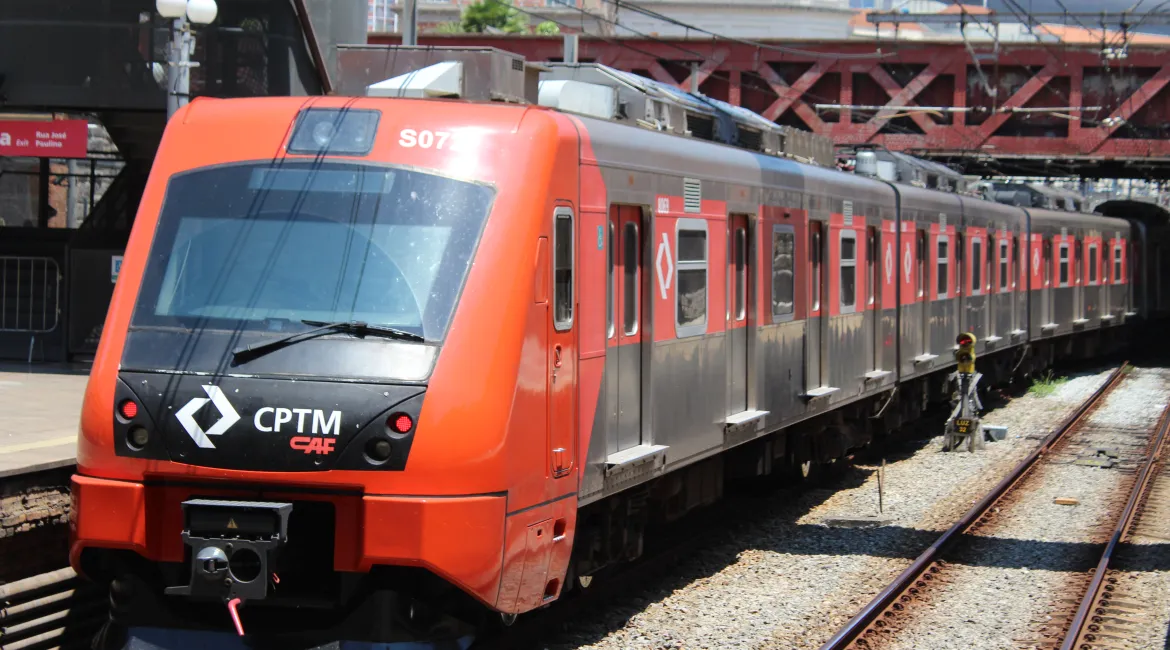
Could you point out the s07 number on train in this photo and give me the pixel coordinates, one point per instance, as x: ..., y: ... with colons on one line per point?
x: 427, y: 139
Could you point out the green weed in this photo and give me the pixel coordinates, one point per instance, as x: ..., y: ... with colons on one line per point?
x: 1046, y: 384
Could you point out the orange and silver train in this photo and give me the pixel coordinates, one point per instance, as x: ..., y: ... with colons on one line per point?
x: 386, y: 363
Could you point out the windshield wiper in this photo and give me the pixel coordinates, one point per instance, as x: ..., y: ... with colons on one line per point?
x: 357, y: 328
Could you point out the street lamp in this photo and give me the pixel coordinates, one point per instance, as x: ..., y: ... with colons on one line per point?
x: 200, y: 12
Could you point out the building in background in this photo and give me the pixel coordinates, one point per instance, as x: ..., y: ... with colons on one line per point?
x: 764, y: 19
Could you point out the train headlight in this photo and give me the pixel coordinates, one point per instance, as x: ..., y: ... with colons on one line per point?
x: 378, y: 449
x: 137, y: 437
x: 338, y: 131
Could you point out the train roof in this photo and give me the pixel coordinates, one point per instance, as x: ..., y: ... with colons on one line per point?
x: 1058, y: 219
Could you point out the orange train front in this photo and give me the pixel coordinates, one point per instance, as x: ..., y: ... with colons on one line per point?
x: 375, y: 369
x: 326, y: 358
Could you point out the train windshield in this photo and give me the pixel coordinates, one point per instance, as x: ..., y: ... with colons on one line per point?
x: 267, y: 245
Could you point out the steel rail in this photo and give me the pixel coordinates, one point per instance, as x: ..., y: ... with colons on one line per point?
x: 869, y: 614
x: 1078, y: 629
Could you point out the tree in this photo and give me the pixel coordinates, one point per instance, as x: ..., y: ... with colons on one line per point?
x: 453, y: 27
x: 497, y: 14
x: 547, y: 28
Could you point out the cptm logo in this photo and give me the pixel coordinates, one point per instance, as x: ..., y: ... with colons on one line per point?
x: 324, y: 428
x: 228, y: 416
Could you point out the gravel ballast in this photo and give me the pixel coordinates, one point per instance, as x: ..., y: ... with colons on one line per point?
x: 1006, y: 579
x: 787, y: 580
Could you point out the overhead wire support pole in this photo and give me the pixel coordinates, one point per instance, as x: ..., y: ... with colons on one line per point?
x: 410, y: 22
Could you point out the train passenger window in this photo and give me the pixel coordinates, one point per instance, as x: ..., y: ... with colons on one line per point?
x: 740, y: 274
x: 814, y: 253
x: 630, y: 275
x: 990, y: 264
x: 563, y: 268
x: 1047, y: 263
x: 848, y: 271
x: 1015, y: 260
x: 783, y: 269
x: 943, y: 265
x: 960, y: 258
x: 873, y: 252
x: 1078, y: 262
x: 1063, y: 279
x: 691, y: 278
x: 1003, y: 264
x: 1117, y: 263
x: 976, y: 266
x: 921, y: 264
x: 612, y: 286
x: 1093, y: 264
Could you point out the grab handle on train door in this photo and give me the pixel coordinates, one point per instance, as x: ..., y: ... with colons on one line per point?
x: 557, y: 356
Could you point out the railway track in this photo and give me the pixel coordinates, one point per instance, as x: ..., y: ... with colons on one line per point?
x: 1078, y: 620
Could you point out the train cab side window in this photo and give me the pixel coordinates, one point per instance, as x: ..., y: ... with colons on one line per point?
x: 1003, y: 265
x: 691, y: 278
x: 848, y: 271
x: 783, y: 271
x: 1093, y: 264
x: 943, y: 265
x: 563, y: 268
x: 630, y: 278
x: 612, y: 286
x: 1063, y: 279
x: 1117, y: 264
x: 976, y: 266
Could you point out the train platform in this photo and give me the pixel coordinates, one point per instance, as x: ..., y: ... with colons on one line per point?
x: 41, y: 407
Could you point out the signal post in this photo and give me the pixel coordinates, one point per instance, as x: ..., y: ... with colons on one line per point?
x: 964, y: 424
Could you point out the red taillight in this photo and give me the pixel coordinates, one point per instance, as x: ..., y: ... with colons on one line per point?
x: 400, y: 423
x: 129, y: 409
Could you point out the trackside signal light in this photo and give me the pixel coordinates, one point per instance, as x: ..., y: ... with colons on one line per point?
x: 128, y: 409
x: 400, y: 423
x: 965, y: 339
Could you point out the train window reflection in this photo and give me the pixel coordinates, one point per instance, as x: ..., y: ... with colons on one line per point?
x: 783, y: 269
x: 1093, y: 264
x: 251, y: 246
x: 630, y: 274
x: 1063, y: 279
x: 691, y: 274
x: 563, y: 269
x: 943, y: 265
x: 848, y: 271
x: 976, y: 266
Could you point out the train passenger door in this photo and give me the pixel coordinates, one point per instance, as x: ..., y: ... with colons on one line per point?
x: 924, y: 290
x: 1078, y: 280
x: 992, y: 282
x: 562, y: 348
x: 739, y: 291
x: 816, y: 376
x: 1046, y: 299
x: 624, y: 377
x: 873, y: 253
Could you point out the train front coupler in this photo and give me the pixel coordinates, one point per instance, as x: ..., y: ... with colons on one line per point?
x: 233, y: 545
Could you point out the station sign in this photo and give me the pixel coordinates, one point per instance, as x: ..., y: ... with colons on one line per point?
x: 44, y: 139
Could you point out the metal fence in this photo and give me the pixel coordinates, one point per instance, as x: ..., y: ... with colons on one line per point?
x: 30, y: 294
